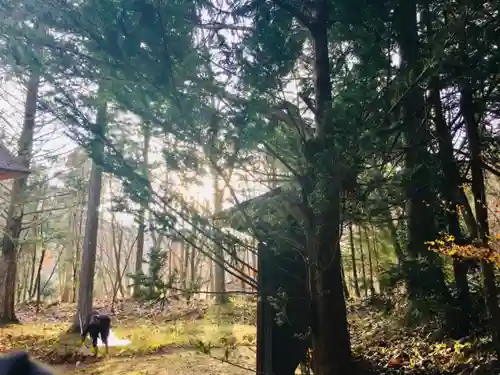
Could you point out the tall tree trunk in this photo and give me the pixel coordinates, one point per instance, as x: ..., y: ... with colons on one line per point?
x: 187, y: 255
x: 87, y: 270
x: 369, y: 246
x: 375, y: 253
x: 468, y: 215
x: 330, y: 327
x: 22, y: 296
x: 39, y: 278
x: 31, y: 291
x: 353, y: 260
x: 344, y: 283
x: 479, y: 192
x: 142, y: 212
x: 394, y: 237
x: 221, y: 296
x: 451, y: 189
x: 76, y: 280
x: 69, y: 258
x: 117, y: 239
x: 451, y: 192
x: 77, y: 262
x: 68, y: 273
x: 8, y: 266
x: 421, y: 221
x: 363, y: 268
x: 192, y: 267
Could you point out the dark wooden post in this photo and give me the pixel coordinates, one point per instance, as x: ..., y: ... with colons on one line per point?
x: 264, y: 312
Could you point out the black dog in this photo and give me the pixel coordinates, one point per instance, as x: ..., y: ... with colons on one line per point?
x: 21, y: 364
x: 99, y: 326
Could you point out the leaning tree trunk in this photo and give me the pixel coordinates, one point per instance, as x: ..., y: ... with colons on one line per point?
x: 87, y: 270
x: 8, y: 265
x: 451, y: 191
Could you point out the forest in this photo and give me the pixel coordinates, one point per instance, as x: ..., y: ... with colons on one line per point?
x: 182, y: 152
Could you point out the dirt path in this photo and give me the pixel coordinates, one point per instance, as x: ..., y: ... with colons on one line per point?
x: 177, y: 361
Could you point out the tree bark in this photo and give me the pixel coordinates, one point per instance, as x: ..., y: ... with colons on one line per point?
x: 38, y: 285
x: 451, y: 192
x: 76, y: 263
x: 117, y: 239
x: 31, y: 290
x: 394, y: 236
x: 219, y: 271
x: 344, y: 283
x: 480, y: 204
x: 363, y: 268
x: 142, y: 213
x: 87, y: 270
x: 370, y: 263
x: 8, y: 265
x: 421, y: 200
x: 330, y: 327
x: 353, y: 260
x: 376, y: 253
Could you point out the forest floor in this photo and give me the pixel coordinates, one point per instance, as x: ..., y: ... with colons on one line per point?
x: 196, y: 339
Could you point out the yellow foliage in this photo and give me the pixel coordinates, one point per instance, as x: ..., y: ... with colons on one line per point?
x: 446, y: 245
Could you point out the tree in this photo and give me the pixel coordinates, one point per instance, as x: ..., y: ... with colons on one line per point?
x: 77, y: 182
x: 87, y: 270
x: 16, y: 206
x: 142, y: 211
x: 353, y: 260
x: 363, y: 138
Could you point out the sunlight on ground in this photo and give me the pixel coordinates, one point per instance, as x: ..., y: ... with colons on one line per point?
x: 181, y: 347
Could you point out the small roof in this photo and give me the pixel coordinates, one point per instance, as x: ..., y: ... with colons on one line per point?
x: 9, y: 166
x: 265, y: 211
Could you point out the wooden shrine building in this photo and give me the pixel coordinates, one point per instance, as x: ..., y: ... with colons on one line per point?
x: 9, y: 166
x: 283, y: 307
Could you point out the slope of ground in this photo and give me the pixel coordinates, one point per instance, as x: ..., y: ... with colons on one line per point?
x: 385, y: 347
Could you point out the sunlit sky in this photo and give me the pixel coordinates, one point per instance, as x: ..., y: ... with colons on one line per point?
x: 52, y: 146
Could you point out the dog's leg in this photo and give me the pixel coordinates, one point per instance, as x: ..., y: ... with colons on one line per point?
x: 94, y: 345
x: 104, y: 338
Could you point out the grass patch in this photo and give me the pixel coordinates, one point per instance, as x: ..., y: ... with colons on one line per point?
x: 169, y: 342
x: 51, y: 343
x: 146, y: 337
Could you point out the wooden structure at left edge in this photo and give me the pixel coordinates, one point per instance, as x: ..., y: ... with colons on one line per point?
x: 281, y: 346
x: 10, y: 168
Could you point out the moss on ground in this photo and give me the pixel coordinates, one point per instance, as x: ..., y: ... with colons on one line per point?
x: 158, y: 347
